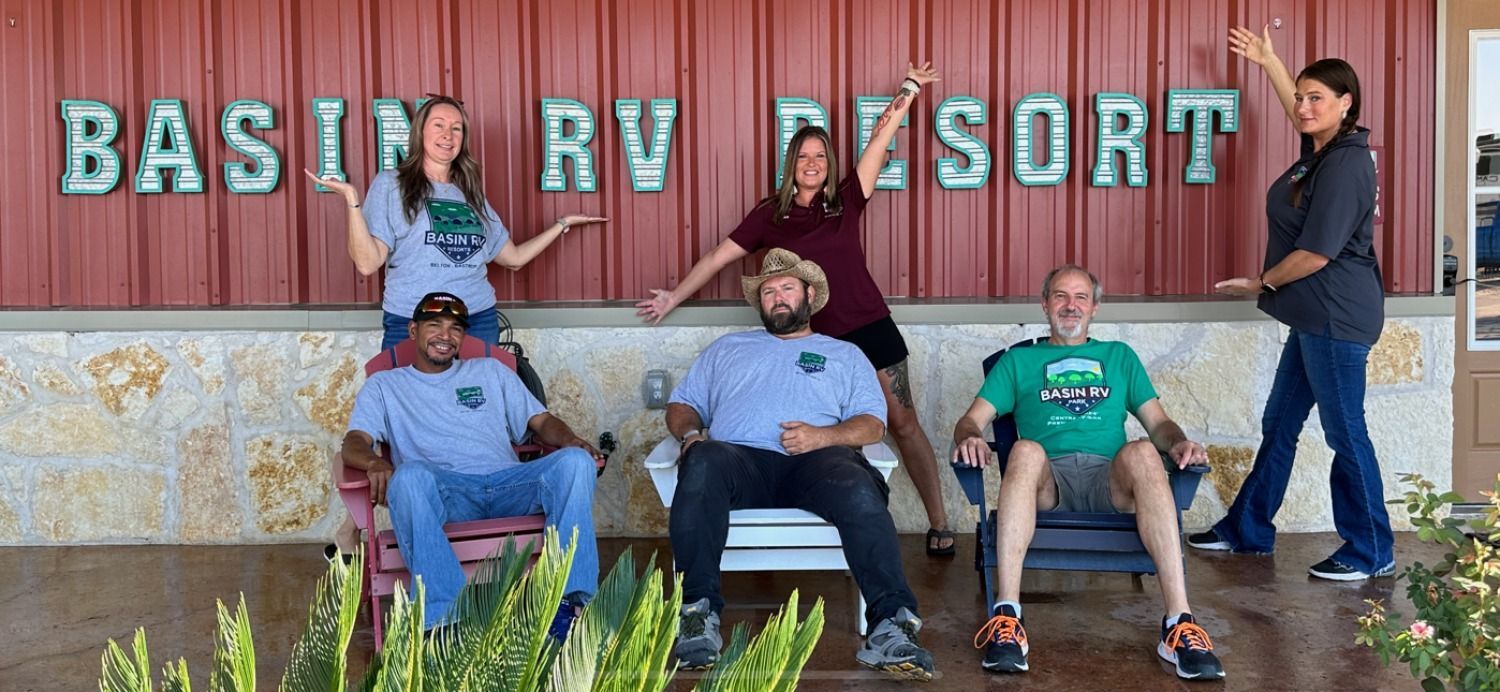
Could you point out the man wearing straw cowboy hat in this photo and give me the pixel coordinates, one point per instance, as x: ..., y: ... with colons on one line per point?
x: 789, y: 410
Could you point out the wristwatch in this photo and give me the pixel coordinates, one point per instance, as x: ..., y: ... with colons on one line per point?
x: 1266, y: 288
x: 700, y: 432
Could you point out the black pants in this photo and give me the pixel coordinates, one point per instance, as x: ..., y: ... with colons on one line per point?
x: 835, y: 483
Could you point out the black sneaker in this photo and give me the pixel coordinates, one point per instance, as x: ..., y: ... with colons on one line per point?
x: 892, y: 647
x: 1208, y: 540
x: 1003, y: 639
x: 1334, y: 570
x: 1187, y: 646
x: 562, y: 622
x: 698, y: 639
x: 332, y: 551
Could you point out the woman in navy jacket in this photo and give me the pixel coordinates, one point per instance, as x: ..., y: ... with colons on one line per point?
x: 1320, y: 278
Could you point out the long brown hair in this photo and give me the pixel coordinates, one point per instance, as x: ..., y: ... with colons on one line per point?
x: 783, y: 199
x: 1338, y: 76
x: 464, y: 172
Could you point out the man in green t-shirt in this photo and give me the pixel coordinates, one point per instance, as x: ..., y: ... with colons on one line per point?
x: 1069, y: 396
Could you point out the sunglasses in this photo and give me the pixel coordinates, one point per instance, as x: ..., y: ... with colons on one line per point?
x: 444, y: 306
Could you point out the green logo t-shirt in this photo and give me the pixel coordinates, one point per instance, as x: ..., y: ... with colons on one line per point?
x: 1070, y: 398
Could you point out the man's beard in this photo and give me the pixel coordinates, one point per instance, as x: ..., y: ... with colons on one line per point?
x: 781, y: 323
x: 1074, y: 331
x: 439, y: 359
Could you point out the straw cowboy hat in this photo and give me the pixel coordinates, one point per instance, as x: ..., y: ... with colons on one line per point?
x: 781, y: 262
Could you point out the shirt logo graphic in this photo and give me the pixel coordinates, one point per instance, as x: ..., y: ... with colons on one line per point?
x: 471, y: 397
x: 456, y: 230
x: 1076, y: 384
x: 811, y: 362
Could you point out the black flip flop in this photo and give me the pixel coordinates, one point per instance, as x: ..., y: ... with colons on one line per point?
x: 939, y: 535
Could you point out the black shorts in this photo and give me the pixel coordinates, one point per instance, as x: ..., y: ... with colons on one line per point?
x: 881, y: 342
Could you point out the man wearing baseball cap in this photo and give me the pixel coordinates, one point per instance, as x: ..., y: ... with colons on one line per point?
x: 448, y: 426
x: 789, y: 410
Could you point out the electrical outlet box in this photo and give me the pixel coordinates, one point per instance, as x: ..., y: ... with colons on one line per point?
x: 656, y: 388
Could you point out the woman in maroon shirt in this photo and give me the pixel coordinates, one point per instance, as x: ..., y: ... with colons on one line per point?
x: 816, y: 215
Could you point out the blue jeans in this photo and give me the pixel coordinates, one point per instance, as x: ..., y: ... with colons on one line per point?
x: 483, y: 325
x: 1317, y: 369
x: 423, y: 497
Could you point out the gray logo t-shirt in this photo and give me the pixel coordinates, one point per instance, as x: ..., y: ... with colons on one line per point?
x: 463, y: 419
x: 446, y: 248
x: 745, y: 385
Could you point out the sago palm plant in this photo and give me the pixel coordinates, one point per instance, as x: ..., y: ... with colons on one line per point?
x: 622, y: 641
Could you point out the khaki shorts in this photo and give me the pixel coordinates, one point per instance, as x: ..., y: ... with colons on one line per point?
x: 1082, y: 483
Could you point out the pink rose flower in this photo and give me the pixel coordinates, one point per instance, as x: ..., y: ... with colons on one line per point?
x: 1421, y: 631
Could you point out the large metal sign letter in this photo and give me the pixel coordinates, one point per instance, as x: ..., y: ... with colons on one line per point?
x: 1110, y: 108
x: 1202, y: 103
x: 648, y: 165
x: 167, y: 145
x: 949, y: 174
x: 392, y: 129
x: 92, y: 166
x: 556, y: 113
x: 237, y: 175
x: 329, y: 112
x: 1055, y: 140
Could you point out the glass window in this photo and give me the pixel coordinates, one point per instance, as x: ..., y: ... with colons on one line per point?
x: 1484, y: 196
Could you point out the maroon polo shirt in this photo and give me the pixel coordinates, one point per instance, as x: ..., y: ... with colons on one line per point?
x: 830, y: 238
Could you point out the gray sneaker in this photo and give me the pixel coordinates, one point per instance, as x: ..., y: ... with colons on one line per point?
x: 698, y: 640
x: 892, y: 647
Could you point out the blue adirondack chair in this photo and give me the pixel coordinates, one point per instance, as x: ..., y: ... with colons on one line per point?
x: 1080, y: 541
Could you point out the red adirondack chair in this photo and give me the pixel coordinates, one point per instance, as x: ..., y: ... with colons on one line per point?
x: 472, y: 541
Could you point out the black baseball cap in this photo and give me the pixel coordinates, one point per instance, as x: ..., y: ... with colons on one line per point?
x: 437, y: 304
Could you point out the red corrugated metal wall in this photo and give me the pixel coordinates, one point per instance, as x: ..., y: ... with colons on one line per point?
x: 726, y: 62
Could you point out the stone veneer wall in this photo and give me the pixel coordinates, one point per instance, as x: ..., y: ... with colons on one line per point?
x: 225, y: 437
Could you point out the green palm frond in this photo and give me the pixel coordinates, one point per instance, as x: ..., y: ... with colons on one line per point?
x: 513, y: 646
x: 452, y: 656
x: 804, y: 640
x: 122, y: 673
x: 575, y: 666
x: 636, y: 658
x: 234, y: 651
x: 659, y: 662
x: 715, y: 679
x: 621, y: 642
x: 774, y: 659
x: 399, y: 665
x: 318, y: 661
x: 174, y: 678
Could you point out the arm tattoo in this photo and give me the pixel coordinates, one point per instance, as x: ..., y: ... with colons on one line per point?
x: 897, y: 104
x: 900, y: 383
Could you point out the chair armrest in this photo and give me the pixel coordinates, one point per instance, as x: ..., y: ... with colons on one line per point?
x: 881, y: 456
x: 663, y: 455
x: 348, y: 477
x: 1185, y: 483
x: 971, y: 479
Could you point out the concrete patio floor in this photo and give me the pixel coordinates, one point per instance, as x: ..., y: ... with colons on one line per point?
x: 1275, y: 628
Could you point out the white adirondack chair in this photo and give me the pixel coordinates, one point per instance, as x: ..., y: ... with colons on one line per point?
x: 774, y: 539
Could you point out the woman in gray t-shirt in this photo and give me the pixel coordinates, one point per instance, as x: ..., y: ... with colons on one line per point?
x: 428, y: 223
x: 1320, y: 279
